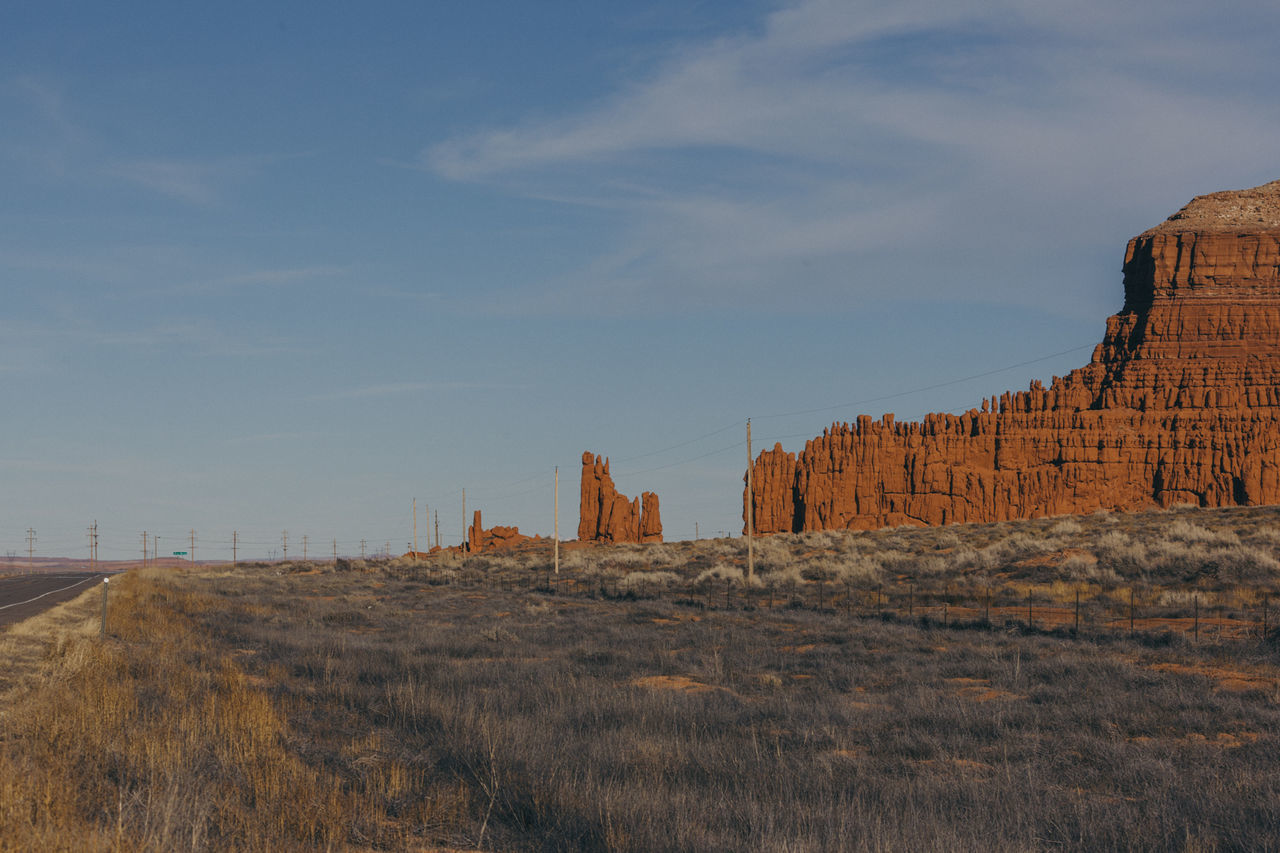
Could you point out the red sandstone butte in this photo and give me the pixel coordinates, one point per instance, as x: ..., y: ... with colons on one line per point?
x: 604, y: 515
x: 1179, y: 404
x: 496, y: 538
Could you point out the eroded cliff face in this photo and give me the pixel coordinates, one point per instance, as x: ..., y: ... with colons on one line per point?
x: 1180, y: 403
x: 607, y: 516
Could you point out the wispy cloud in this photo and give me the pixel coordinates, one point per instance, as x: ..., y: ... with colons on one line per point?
x: 406, y: 389
x: 41, y: 133
x: 273, y: 437
x: 274, y: 277
x: 188, y: 181
x: 195, y: 181
x: 193, y: 335
x: 837, y: 130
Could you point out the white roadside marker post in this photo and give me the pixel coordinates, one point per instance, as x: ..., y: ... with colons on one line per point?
x: 103, y: 632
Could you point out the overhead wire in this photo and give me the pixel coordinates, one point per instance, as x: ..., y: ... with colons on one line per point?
x: 62, y: 543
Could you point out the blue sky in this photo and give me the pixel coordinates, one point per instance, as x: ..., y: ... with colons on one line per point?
x: 274, y: 266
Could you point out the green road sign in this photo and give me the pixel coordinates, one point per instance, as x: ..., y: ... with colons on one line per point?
x: 179, y: 553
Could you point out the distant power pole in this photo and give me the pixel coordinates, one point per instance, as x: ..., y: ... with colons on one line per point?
x: 751, y: 501
x: 144, y: 549
x: 285, y: 543
x: 415, y: 526
x: 31, y: 545
x: 193, y: 544
x: 388, y: 551
x: 235, y: 544
x: 437, y: 528
x: 557, y: 561
x: 695, y: 531
x: 464, y: 519
x: 304, y: 547
x: 90, y: 547
x: 362, y: 549
x: 335, y: 549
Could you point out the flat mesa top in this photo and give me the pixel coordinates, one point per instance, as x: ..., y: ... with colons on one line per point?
x: 1243, y: 211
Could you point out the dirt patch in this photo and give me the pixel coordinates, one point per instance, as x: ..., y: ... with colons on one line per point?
x: 682, y: 683
x: 1225, y: 678
x: 960, y: 766
x: 1222, y: 740
x: 980, y: 690
x: 1053, y: 559
x: 869, y: 706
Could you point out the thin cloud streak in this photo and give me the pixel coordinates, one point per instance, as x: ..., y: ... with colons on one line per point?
x: 841, y: 129
x: 403, y: 389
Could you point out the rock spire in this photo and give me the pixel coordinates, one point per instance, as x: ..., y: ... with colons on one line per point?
x: 607, y: 516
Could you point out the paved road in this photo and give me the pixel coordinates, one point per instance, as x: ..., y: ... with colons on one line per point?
x: 23, y: 596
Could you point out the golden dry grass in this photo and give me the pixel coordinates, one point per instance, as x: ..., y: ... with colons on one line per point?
x: 155, y: 740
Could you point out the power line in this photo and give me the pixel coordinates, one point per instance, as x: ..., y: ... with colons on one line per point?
x: 724, y: 449
x: 733, y: 425
x: 927, y: 387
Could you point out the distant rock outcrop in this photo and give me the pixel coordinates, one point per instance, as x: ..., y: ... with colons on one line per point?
x: 495, y: 538
x: 607, y: 516
x: 1179, y: 404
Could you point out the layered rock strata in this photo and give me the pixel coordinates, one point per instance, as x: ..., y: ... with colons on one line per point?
x: 1180, y: 403
x: 604, y: 515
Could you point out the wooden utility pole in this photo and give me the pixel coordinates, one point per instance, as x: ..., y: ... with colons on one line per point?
x: 415, y: 526
x: 90, y: 535
x: 464, y: 519
x: 695, y: 531
x: 144, y: 549
x: 335, y: 549
x: 751, y: 500
x: 193, y: 544
x: 362, y: 549
x: 557, y: 561
x: 31, y: 546
x: 304, y: 547
x: 235, y: 545
x: 437, y: 528
x: 285, y: 543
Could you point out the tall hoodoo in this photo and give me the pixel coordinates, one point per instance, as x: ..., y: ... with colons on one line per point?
x: 607, y: 516
x: 1179, y: 404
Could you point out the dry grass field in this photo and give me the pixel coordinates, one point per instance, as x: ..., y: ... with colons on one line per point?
x: 880, y: 691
